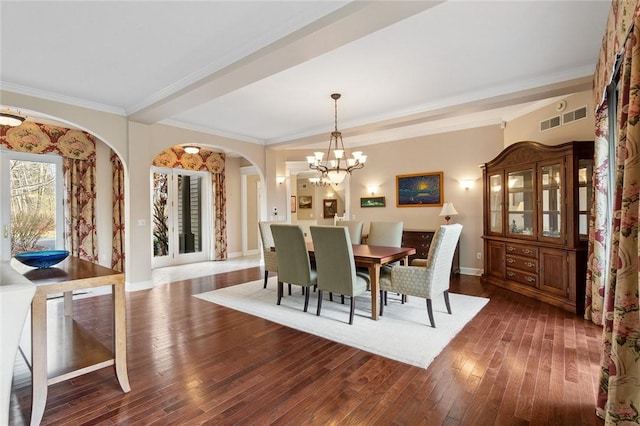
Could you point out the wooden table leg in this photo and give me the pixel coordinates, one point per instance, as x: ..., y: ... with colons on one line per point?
x: 374, y: 275
x: 120, y: 336
x: 38, y: 357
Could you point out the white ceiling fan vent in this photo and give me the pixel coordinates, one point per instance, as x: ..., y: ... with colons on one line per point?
x: 550, y: 123
x: 575, y: 115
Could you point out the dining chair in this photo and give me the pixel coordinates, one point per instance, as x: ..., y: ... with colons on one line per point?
x: 355, y: 229
x: 336, y: 265
x: 385, y: 234
x: 268, y: 250
x: 294, y: 265
x: 425, y: 281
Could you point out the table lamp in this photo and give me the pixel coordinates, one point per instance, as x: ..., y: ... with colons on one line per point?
x: 447, y: 211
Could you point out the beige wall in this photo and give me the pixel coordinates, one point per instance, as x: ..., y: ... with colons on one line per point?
x: 457, y: 155
x: 527, y: 128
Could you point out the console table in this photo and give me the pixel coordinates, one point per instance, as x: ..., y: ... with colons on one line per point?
x: 76, y: 351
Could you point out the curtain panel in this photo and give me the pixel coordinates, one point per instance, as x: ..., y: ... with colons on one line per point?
x: 214, y: 162
x: 618, y: 399
x: 117, y: 253
x: 78, y: 150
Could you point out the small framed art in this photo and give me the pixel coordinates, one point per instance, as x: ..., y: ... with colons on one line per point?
x: 372, y: 202
x: 329, y: 208
x: 305, y: 202
x: 293, y: 204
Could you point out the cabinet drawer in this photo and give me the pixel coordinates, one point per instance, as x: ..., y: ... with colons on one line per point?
x: 528, y: 264
x: 519, y: 250
x: 420, y: 240
x: 530, y: 279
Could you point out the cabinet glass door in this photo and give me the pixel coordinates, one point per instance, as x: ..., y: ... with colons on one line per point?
x: 496, y: 197
x: 585, y: 172
x: 551, y: 197
x: 520, y: 207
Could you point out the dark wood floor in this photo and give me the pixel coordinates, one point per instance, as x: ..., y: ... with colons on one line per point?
x: 518, y: 362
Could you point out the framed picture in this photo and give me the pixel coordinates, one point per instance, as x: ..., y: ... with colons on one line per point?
x: 329, y: 208
x: 293, y: 204
x: 372, y: 202
x: 305, y: 202
x: 420, y: 190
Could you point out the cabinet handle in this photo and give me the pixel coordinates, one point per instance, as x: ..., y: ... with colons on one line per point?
x: 527, y: 251
x: 531, y: 280
x: 509, y: 248
x: 511, y: 274
x: 530, y: 264
x: 510, y: 260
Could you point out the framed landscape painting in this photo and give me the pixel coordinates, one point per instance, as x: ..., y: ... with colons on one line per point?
x: 372, y: 202
x: 329, y: 208
x: 420, y: 190
x: 305, y: 202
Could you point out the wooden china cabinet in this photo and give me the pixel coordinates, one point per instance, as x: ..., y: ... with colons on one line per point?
x: 536, y: 217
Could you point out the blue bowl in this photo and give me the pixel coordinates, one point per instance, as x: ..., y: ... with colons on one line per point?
x: 42, y: 259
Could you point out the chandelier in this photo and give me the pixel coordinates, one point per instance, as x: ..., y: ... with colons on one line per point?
x: 336, y: 166
x: 319, y: 181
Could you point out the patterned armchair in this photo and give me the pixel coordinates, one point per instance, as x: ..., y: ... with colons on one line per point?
x: 425, y: 281
x: 268, y: 250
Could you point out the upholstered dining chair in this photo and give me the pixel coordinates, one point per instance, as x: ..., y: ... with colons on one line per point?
x: 294, y: 265
x: 425, y: 281
x: 387, y: 234
x: 336, y: 266
x: 268, y: 250
x: 355, y: 229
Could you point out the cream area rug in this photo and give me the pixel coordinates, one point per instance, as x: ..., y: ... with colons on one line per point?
x: 402, y: 333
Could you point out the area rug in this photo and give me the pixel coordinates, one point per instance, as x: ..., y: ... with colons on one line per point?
x: 402, y: 333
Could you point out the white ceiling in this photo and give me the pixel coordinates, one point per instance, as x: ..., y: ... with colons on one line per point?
x: 263, y: 71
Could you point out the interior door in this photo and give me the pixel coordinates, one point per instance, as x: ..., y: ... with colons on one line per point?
x: 31, y: 212
x: 180, y: 216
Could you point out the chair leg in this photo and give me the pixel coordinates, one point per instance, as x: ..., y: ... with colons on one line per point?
x: 381, y: 299
x: 280, y: 289
x: 330, y: 297
x: 306, y: 299
x: 319, y: 302
x: 289, y: 289
x: 446, y: 301
x: 353, y: 308
x: 430, y: 312
x: 266, y: 276
x: 342, y: 299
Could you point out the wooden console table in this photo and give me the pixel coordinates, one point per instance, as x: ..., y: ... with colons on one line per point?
x: 75, y: 352
x: 421, y: 239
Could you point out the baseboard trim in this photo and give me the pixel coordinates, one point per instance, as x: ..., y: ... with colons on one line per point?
x: 471, y: 271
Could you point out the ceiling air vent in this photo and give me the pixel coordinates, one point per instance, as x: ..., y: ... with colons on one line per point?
x: 550, y: 123
x: 575, y: 115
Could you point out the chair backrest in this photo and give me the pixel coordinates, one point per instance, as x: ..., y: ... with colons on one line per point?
x: 268, y: 246
x: 266, y: 236
x: 387, y: 234
x: 440, y: 258
x: 355, y: 229
x: 334, y: 259
x: 294, y: 266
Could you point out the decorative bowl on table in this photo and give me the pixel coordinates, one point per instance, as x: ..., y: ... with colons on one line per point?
x: 42, y: 259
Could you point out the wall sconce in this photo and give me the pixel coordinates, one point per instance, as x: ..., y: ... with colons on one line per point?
x: 191, y: 149
x: 280, y: 179
x: 466, y: 183
x: 372, y: 189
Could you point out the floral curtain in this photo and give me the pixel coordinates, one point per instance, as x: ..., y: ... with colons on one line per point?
x: 214, y: 163
x: 619, y: 390
x: 117, y: 254
x: 78, y: 150
x: 594, y: 304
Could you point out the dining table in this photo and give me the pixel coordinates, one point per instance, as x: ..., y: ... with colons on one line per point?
x: 373, y: 258
x: 60, y: 348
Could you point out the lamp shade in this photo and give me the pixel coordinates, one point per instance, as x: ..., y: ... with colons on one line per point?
x: 447, y: 211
